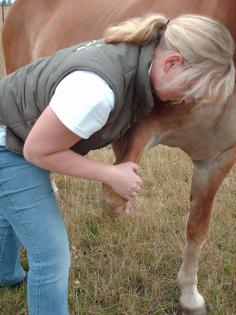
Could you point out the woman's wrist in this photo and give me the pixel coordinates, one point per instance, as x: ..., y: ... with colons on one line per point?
x: 107, y: 174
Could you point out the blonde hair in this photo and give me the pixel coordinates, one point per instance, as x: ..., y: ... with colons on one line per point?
x: 206, y: 46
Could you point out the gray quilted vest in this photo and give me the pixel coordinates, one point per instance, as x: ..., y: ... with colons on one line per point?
x: 25, y: 93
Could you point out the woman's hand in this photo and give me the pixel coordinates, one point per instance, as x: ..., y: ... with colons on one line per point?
x: 124, y: 180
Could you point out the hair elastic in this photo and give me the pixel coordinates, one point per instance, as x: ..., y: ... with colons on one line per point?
x: 161, y: 31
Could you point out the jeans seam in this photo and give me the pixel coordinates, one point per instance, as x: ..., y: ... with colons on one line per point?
x: 29, y: 237
x: 2, y: 251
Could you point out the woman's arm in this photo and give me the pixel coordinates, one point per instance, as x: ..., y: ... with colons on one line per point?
x: 48, y: 146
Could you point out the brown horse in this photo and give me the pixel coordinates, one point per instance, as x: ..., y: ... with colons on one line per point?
x: 207, y: 134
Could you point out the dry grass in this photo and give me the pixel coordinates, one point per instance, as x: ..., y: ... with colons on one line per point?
x: 128, y: 266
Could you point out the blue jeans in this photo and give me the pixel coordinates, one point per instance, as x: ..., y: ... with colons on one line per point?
x: 29, y: 215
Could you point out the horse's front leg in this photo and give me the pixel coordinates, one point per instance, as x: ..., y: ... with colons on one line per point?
x: 207, y: 177
x: 128, y: 148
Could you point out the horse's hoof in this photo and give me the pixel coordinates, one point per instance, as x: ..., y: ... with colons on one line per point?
x: 111, y: 209
x: 196, y: 311
x: 113, y: 212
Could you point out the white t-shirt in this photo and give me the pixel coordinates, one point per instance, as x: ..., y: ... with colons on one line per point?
x: 82, y: 101
x: 2, y: 135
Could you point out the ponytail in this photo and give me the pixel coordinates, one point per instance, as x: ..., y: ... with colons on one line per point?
x: 138, y: 31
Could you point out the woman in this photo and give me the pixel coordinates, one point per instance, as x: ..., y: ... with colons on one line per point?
x: 56, y: 109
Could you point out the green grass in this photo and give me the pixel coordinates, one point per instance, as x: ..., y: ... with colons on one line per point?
x: 129, y: 265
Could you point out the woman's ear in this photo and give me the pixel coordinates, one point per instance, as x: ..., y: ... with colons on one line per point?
x: 172, y: 61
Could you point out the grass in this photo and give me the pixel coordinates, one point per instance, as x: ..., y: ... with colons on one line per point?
x: 129, y: 265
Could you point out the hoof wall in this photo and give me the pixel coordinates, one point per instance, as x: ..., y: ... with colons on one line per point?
x: 198, y: 311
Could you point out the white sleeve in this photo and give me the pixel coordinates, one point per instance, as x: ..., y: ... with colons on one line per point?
x: 83, y: 101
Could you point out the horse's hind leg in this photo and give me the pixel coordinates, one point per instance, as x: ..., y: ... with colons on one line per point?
x: 207, y: 177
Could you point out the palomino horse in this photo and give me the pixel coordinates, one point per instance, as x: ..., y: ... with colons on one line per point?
x: 207, y: 134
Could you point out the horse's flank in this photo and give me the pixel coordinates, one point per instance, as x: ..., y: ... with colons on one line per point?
x: 44, y: 27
